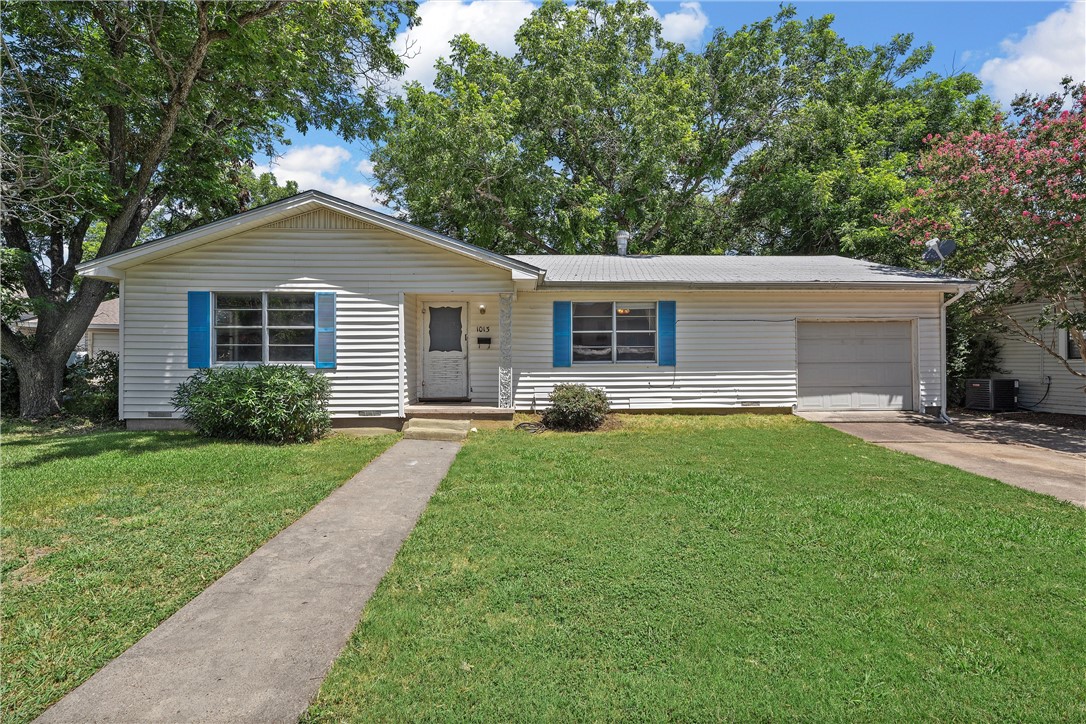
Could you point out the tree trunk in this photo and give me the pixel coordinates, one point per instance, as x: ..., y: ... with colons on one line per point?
x: 41, y: 380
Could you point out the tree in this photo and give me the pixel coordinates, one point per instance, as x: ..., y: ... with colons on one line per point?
x: 251, y: 191
x: 1013, y: 197
x: 112, y: 108
x: 847, y: 154
x: 596, y: 124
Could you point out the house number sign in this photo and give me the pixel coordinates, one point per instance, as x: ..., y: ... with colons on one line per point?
x: 481, y: 329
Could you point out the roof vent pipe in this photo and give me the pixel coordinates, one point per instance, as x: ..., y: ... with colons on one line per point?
x: 622, y: 239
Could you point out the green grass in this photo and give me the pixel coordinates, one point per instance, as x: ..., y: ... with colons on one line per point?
x: 741, y: 568
x: 105, y: 534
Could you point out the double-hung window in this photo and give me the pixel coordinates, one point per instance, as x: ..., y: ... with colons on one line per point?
x: 264, y: 327
x: 614, y: 332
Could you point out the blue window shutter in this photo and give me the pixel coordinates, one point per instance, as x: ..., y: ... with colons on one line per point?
x: 665, y: 318
x: 325, y: 342
x: 199, y: 330
x: 563, y: 334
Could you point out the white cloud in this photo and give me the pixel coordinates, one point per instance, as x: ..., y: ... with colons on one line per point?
x: 317, y: 167
x: 491, y: 23
x: 1036, y: 62
x: 686, y: 25
x: 365, y: 167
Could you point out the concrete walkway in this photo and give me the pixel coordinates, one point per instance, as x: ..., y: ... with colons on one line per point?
x: 255, y: 646
x: 1042, y: 458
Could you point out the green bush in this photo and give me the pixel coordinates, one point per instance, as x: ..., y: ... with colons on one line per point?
x: 265, y: 403
x: 576, y: 407
x: 90, y: 387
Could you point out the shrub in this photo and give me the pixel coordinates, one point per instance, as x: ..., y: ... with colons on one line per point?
x: 265, y: 403
x: 90, y: 387
x: 576, y: 407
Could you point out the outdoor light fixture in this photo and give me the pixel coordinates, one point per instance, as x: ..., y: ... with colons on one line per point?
x: 482, y: 309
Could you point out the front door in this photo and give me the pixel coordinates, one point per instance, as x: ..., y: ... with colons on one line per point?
x: 445, y: 351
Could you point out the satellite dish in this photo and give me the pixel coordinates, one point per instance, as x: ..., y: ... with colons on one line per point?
x: 938, y: 249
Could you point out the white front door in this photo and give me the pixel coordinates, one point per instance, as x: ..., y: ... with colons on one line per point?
x: 444, y: 351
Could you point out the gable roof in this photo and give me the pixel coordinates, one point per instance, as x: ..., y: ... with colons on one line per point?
x: 721, y: 271
x: 558, y: 271
x: 107, y: 316
x: 109, y: 265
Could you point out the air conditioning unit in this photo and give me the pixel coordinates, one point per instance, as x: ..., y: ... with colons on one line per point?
x: 991, y: 395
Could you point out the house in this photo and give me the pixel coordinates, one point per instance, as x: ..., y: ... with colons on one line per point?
x: 400, y: 317
x: 103, y: 333
x: 1044, y: 384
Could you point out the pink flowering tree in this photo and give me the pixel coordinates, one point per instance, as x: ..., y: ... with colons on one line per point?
x: 1014, y: 199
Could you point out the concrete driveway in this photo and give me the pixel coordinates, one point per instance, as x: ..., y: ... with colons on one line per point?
x: 1042, y: 458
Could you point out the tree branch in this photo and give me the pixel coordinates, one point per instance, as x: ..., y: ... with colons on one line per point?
x: 1035, y: 340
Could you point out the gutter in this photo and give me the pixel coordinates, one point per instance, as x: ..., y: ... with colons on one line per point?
x: 961, y: 290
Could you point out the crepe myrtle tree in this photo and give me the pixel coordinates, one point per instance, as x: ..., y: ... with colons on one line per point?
x: 111, y: 109
x: 1014, y: 197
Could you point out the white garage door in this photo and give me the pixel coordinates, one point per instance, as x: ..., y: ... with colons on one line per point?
x: 855, y: 365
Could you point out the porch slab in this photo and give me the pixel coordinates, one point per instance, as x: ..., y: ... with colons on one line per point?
x: 455, y: 411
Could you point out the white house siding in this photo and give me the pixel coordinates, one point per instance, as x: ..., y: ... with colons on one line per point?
x: 1029, y: 364
x: 103, y: 340
x: 733, y: 349
x: 366, y: 266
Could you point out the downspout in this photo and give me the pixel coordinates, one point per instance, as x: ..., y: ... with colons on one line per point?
x: 943, y: 417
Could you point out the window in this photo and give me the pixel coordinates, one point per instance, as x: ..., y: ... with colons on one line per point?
x: 614, y: 332
x: 1073, y: 351
x: 264, y: 327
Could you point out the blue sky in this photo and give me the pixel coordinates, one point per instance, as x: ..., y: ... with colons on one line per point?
x: 1012, y: 46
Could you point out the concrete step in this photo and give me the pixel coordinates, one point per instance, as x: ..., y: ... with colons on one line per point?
x: 419, y: 428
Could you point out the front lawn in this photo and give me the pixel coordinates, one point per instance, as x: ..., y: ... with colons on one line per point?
x: 738, y: 568
x: 105, y: 534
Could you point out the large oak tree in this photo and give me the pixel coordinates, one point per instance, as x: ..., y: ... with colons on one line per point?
x: 112, y: 108
x: 595, y: 124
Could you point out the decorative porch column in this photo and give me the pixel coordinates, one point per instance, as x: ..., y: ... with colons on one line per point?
x: 505, y: 350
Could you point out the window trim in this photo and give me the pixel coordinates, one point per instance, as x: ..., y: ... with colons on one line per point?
x: 614, y: 331
x: 1066, y: 347
x: 264, y: 336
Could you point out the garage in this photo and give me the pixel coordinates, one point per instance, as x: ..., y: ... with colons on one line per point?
x: 855, y: 365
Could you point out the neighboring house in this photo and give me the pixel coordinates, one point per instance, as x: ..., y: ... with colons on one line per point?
x: 397, y: 315
x: 1044, y: 384
x: 103, y: 333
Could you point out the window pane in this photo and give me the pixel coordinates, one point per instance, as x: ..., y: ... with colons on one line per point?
x: 290, y: 318
x: 237, y: 353
x: 235, y: 318
x: 591, y: 309
x: 635, y: 354
x: 591, y: 354
x: 592, y: 347
x: 446, y: 329
x: 290, y: 353
x: 635, y: 316
x: 238, y: 336
x: 290, y: 336
x: 1073, y: 352
x: 237, y: 301
x: 592, y: 324
x: 290, y: 301
x: 637, y: 339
